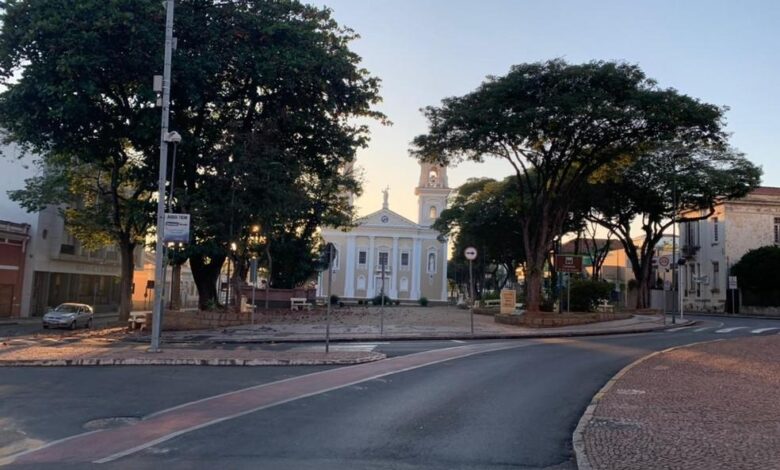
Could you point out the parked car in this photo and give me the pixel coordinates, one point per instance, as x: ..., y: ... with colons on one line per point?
x: 69, y: 315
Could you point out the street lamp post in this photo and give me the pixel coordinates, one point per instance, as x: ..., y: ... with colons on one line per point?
x: 159, y: 291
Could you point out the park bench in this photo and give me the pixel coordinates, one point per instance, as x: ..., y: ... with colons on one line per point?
x: 298, y: 303
x: 491, y: 303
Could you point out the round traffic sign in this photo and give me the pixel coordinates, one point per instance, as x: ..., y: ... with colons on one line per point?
x: 470, y: 253
x: 664, y: 261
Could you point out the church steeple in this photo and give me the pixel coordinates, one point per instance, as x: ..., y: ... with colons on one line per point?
x: 432, y: 191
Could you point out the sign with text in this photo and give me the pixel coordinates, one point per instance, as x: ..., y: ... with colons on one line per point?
x: 733, y: 282
x: 568, y: 263
x: 177, y: 228
x: 508, y: 300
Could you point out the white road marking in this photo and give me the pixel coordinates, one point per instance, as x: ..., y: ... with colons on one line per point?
x: 733, y: 328
x: 672, y: 330
x: 457, y: 341
x: 761, y: 330
x: 699, y: 330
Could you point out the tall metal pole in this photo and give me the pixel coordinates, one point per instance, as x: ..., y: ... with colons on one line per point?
x: 675, y: 267
x: 327, y: 311
x: 159, y: 291
x: 471, y: 294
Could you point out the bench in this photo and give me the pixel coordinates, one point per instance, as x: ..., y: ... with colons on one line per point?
x: 137, y: 320
x: 605, y: 307
x: 298, y: 303
x: 491, y: 303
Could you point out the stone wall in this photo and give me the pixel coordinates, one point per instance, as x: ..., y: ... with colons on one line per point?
x: 547, y: 320
x: 201, y: 320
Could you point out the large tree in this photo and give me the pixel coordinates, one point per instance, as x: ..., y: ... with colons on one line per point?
x: 78, y: 93
x: 482, y: 213
x: 264, y: 93
x: 658, y: 189
x: 557, y: 124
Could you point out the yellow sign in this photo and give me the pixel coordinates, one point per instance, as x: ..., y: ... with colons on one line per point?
x: 508, y: 300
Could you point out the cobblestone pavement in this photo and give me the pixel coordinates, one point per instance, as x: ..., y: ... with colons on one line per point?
x: 106, y: 347
x: 709, y: 406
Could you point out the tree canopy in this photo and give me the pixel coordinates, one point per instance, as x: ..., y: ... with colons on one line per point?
x: 557, y: 125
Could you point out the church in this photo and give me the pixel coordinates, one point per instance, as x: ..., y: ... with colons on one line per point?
x: 411, y: 254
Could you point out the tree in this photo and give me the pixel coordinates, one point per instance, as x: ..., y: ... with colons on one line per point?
x: 557, y: 125
x: 78, y: 94
x: 669, y: 185
x: 265, y: 95
x: 757, y: 274
x: 482, y: 214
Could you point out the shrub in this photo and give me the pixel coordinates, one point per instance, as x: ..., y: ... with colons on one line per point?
x: 341, y: 304
x: 397, y: 303
x: 424, y: 301
x: 547, y: 305
x: 586, y: 294
x: 334, y: 299
x: 360, y: 301
x: 378, y: 300
x: 757, y: 276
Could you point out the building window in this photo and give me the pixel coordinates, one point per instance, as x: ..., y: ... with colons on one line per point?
x: 432, y: 213
x: 715, y: 234
x: 335, y: 259
x: 777, y: 230
x: 405, y: 259
x: 362, y: 258
x: 433, y: 178
x: 431, y: 263
x: 715, y: 276
x: 383, y: 256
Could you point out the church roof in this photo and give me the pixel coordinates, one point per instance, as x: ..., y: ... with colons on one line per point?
x: 386, y: 218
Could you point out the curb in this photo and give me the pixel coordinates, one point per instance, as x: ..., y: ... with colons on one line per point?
x: 578, y: 438
x: 569, y: 334
x: 370, y: 357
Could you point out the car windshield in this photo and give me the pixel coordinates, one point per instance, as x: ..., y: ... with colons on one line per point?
x: 66, y: 308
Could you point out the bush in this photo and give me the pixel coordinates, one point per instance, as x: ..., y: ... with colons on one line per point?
x: 587, y: 294
x: 397, y: 303
x: 423, y: 301
x: 360, y: 301
x: 378, y: 300
x: 756, y: 274
x: 547, y: 305
x: 334, y: 299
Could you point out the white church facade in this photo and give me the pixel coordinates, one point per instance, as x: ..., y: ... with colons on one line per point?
x: 386, y: 252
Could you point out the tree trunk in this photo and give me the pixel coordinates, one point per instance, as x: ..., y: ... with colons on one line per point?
x: 533, y: 290
x: 642, y: 276
x: 126, y: 249
x: 270, y: 273
x: 237, y: 279
x: 205, y: 272
x: 175, y: 287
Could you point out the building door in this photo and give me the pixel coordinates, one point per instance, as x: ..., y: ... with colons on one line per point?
x: 6, y: 299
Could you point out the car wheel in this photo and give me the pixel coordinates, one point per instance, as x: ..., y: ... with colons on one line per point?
x: 45, y: 326
x: 73, y: 325
x: 89, y: 323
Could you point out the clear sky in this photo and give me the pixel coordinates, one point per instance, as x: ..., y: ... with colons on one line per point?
x: 723, y: 52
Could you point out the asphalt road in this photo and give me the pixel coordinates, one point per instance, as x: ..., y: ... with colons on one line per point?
x: 513, y: 408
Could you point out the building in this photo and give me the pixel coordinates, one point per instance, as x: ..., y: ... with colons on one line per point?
x: 14, y: 244
x: 412, y: 255
x: 713, y: 244
x: 56, y: 268
x: 143, y: 283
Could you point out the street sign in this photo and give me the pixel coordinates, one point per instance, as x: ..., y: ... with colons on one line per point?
x: 732, y: 282
x: 470, y: 253
x: 176, y: 228
x: 568, y: 263
x: 253, y: 271
x: 664, y: 261
x: 508, y: 300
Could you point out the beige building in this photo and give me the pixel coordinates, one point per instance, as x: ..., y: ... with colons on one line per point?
x: 714, y: 244
x: 412, y: 255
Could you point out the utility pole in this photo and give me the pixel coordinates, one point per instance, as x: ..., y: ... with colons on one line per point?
x: 159, y: 287
x: 382, y: 299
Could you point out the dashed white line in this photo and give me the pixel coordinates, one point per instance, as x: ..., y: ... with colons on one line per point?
x: 699, y: 330
x: 457, y: 341
x: 672, y: 330
x: 733, y: 328
x: 761, y: 330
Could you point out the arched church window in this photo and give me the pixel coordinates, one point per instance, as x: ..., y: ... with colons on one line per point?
x: 432, y: 212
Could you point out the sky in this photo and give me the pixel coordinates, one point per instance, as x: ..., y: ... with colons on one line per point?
x: 722, y: 52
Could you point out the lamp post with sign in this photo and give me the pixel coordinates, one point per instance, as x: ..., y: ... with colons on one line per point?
x: 471, y: 254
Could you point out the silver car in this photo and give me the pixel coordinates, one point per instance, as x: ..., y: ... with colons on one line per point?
x: 69, y: 315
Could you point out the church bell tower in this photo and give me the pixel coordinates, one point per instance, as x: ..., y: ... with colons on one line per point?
x: 432, y: 191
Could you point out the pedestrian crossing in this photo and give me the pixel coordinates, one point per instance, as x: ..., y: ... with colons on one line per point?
x: 727, y: 330
x: 361, y: 347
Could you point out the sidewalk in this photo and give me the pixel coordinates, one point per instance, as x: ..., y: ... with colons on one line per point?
x: 708, y: 406
x: 404, y: 323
